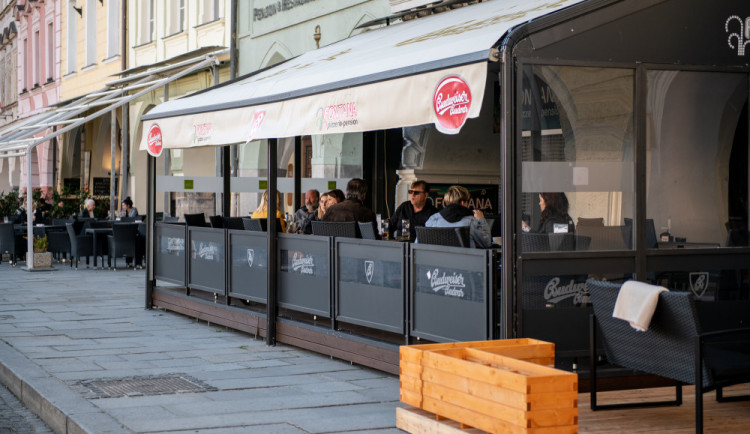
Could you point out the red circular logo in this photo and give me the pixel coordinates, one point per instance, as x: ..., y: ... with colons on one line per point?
x: 451, y: 103
x: 153, y: 140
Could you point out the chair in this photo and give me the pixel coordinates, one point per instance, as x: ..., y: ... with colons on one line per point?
x: 651, y: 241
x: 592, y: 221
x: 674, y: 346
x: 58, y: 242
x: 259, y: 225
x: 158, y: 216
x: 140, y: 244
x: 122, y: 242
x: 216, y: 221
x: 607, y: 237
x: 80, y: 245
x: 335, y: 229
x: 198, y: 220
x: 11, y: 243
x: 170, y: 219
x: 455, y: 236
x: 368, y: 230
x: 233, y: 223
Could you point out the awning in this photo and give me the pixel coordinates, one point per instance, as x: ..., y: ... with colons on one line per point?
x: 429, y: 70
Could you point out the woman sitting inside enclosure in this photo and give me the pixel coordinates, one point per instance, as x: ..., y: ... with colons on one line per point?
x: 262, y: 211
x: 554, y: 218
x: 455, y: 214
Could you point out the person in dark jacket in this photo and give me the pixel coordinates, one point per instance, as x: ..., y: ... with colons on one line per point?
x: 456, y: 214
x: 554, y: 218
x: 351, y: 209
x: 417, y: 209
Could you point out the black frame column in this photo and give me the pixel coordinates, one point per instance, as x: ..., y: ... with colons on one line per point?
x: 272, y: 304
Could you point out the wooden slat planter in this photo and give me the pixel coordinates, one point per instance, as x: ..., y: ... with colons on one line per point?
x: 496, y: 386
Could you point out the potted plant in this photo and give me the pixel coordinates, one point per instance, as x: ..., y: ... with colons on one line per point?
x: 41, y: 257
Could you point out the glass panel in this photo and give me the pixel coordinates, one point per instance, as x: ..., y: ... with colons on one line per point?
x: 305, y: 263
x: 461, y: 284
x: 725, y: 284
x: 370, y: 272
x: 697, y: 159
x: 577, y: 155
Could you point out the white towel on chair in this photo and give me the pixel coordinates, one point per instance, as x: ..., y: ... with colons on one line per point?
x: 636, y: 303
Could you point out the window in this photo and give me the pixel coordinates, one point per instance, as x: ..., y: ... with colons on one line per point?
x: 176, y: 17
x: 145, y: 21
x: 37, y: 60
x: 577, y: 152
x: 26, y: 68
x: 50, y: 52
x: 209, y: 10
x: 72, y: 38
x: 113, y: 28
x: 90, y: 12
x: 697, y: 154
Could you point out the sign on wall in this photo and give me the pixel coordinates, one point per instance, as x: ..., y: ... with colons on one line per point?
x: 484, y: 197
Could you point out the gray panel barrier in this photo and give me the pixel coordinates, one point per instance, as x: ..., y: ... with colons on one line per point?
x: 449, y: 293
x: 305, y: 277
x: 370, y: 283
x: 248, y: 265
x: 206, y: 262
x: 170, y: 260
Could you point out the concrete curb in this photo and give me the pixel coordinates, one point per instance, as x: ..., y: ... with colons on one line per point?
x: 55, y: 403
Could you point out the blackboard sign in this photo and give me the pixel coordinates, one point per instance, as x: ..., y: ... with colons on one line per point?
x: 484, y: 197
x: 101, y: 186
x: 72, y: 184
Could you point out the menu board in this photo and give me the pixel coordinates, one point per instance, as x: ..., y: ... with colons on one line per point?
x: 101, y: 186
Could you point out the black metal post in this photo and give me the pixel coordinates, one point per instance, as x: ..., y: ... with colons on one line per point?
x: 150, y: 221
x: 226, y: 174
x: 298, y: 172
x: 271, y: 307
x: 639, y: 220
x: 507, y: 185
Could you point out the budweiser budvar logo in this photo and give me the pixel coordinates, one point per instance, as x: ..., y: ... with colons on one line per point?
x: 452, y: 285
x: 303, y: 264
x: 258, y: 117
x: 554, y: 293
x: 452, y: 102
x: 154, y: 141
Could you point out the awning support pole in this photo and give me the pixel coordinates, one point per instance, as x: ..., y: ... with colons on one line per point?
x: 125, y: 156
x: 29, y: 213
x: 150, y: 222
x: 271, y: 307
x: 112, y: 162
x: 167, y: 160
x: 298, y: 173
x: 507, y: 186
x: 226, y: 173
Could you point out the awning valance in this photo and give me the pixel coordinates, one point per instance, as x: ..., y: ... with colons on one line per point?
x: 429, y: 70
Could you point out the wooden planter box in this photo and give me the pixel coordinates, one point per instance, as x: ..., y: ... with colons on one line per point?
x: 496, y: 386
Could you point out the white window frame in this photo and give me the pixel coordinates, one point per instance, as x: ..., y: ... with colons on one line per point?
x: 175, y: 17
x: 113, y: 28
x: 50, y: 51
x: 145, y: 17
x: 209, y: 10
x: 26, y: 68
x: 37, y: 58
x: 72, y: 34
x: 90, y: 16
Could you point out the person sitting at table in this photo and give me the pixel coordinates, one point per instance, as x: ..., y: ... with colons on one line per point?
x: 127, y: 209
x: 337, y: 196
x: 352, y: 208
x: 312, y: 200
x: 417, y: 209
x: 456, y: 214
x: 88, y: 208
x: 554, y: 218
x: 262, y: 211
x: 326, y: 200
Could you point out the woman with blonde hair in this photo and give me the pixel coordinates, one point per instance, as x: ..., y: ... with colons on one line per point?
x: 262, y: 211
x: 455, y: 214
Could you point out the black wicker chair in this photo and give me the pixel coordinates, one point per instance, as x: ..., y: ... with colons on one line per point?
x: 335, y: 229
x: 368, y: 230
x: 198, y: 220
x: 58, y: 240
x: 675, y: 346
x: 259, y: 225
x: 10, y: 243
x: 80, y: 245
x: 216, y: 221
x: 122, y: 243
x: 455, y: 237
x: 233, y: 223
x: 140, y: 244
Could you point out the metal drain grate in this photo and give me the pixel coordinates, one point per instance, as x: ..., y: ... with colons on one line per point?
x: 143, y: 386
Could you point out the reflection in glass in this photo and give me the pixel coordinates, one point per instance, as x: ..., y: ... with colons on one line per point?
x: 449, y: 282
x: 304, y: 263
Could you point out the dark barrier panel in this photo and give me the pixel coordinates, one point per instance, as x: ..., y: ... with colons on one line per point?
x: 248, y: 269
x: 170, y: 261
x: 370, y: 283
x: 449, y: 293
x: 206, y: 265
x: 305, y: 278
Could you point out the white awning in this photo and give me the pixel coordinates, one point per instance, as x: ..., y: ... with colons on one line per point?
x: 386, y: 78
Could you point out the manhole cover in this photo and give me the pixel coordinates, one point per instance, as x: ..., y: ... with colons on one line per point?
x: 143, y: 386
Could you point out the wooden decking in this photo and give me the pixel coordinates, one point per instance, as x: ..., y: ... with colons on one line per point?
x: 726, y: 417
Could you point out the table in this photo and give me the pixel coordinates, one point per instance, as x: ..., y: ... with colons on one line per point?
x: 97, y: 232
x: 686, y: 245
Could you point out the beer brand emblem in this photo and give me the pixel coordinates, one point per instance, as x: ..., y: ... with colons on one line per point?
x: 699, y: 283
x: 738, y: 40
x: 258, y: 117
x: 250, y: 257
x: 154, y: 140
x: 451, y: 103
x: 369, y: 270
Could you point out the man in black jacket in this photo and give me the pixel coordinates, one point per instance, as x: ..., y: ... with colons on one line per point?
x: 417, y: 209
x: 351, y: 209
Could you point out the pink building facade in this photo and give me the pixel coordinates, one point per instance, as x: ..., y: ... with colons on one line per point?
x: 38, y: 77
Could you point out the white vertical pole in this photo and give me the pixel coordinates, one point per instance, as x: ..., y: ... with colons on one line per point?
x: 29, y: 213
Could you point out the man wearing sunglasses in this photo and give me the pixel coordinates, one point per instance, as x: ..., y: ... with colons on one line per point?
x: 417, y: 209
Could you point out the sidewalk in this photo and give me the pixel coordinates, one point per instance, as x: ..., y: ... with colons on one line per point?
x: 79, y: 349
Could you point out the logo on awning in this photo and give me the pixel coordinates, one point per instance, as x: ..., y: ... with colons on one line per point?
x: 452, y: 102
x: 741, y: 38
x: 258, y: 117
x: 153, y: 140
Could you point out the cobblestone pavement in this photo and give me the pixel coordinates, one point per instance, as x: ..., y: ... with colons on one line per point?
x: 16, y: 418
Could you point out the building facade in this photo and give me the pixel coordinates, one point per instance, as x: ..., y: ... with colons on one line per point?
x: 9, y: 171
